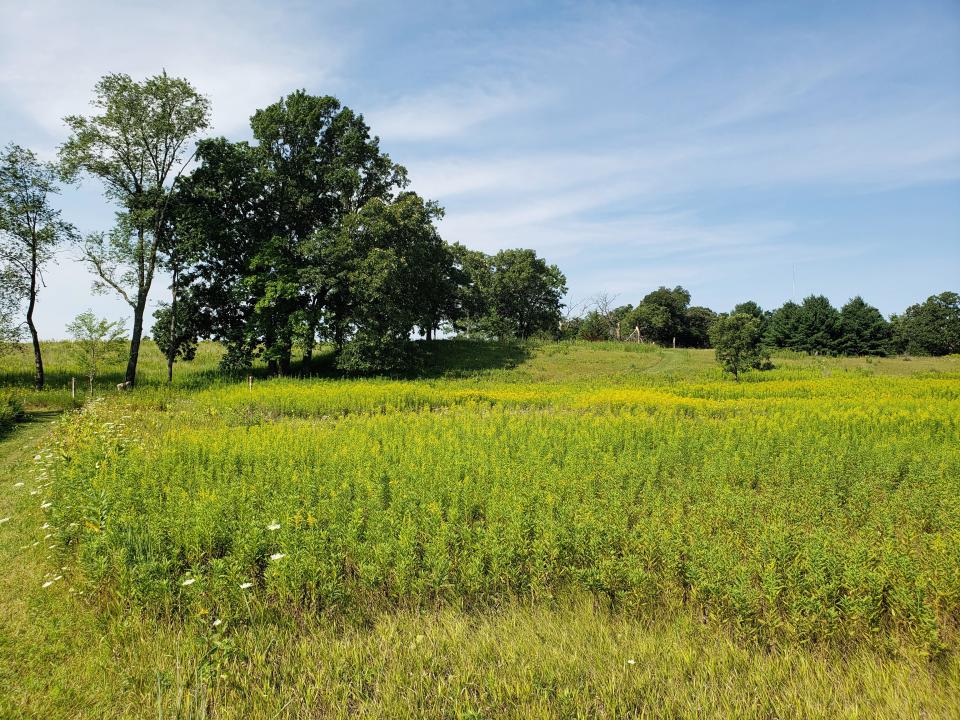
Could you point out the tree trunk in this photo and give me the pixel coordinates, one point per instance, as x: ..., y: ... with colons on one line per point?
x: 37, y: 357
x: 429, y: 333
x: 131, y: 376
x: 171, y: 344
x: 310, y: 340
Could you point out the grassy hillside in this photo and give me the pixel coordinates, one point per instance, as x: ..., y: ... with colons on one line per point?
x: 537, y: 531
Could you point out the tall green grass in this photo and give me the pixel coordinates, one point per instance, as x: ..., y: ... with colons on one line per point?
x: 796, y: 508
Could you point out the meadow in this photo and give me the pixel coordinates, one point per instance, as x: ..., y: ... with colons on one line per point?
x: 560, y: 530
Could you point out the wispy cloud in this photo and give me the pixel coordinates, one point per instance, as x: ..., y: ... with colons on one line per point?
x: 444, y: 113
x: 238, y: 53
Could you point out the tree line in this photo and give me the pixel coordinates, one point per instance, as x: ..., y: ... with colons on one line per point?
x: 310, y: 234
x: 813, y: 326
x: 307, y: 234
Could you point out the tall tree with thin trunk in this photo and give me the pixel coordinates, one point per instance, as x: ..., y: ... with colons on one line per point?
x: 30, y: 232
x: 136, y: 144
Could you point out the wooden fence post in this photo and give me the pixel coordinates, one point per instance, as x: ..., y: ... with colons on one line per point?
x: 250, y: 382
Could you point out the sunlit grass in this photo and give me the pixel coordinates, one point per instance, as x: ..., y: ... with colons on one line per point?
x: 549, y: 531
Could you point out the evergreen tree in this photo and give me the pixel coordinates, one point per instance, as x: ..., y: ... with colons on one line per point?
x: 863, y: 330
x: 818, y: 326
x: 783, y: 329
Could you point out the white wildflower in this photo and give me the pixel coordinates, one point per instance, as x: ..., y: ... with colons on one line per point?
x: 217, y: 622
x: 273, y: 526
x: 278, y: 556
x: 45, y: 505
x: 188, y: 581
x: 244, y: 586
x: 631, y: 661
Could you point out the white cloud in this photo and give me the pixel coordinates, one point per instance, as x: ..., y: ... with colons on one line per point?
x: 444, y: 113
x: 53, y: 53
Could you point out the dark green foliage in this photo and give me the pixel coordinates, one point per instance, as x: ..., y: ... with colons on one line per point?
x: 738, y: 343
x: 471, y: 294
x: 11, y: 410
x: 661, y: 315
x: 863, y: 330
x: 525, y: 294
x: 308, y: 235
x: 818, y: 326
x: 185, y: 335
x: 783, y: 330
x: 391, y: 244
x: 593, y: 327
x: 513, y: 294
x: 929, y: 328
x: 697, y: 326
x: 754, y: 310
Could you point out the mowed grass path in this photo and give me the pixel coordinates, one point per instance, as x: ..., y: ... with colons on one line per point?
x: 554, y: 652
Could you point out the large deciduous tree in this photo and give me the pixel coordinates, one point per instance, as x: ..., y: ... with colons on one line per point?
x: 138, y: 145
x: 661, y: 315
x: 524, y: 294
x: 929, y: 328
x: 393, y: 245
x: 276, y: 263
x: 30, y: 233
x: 699, y: 321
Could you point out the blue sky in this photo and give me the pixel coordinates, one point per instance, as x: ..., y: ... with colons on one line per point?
x: 726, y: 147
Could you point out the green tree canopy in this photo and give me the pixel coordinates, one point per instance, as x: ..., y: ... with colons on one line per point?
x: 783, y: 329
x: 863, y: 330
x: 818, y: 326
x: 524, y: 295
x: 661, y: 315
x: 738, y: 343
x: 31, y: 230
x: 929, y: 328
x: 136, y: 145
x: 281, y: 221
x: 594, y: 327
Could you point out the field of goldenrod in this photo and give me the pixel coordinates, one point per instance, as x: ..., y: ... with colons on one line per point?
x: 802, y: 506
